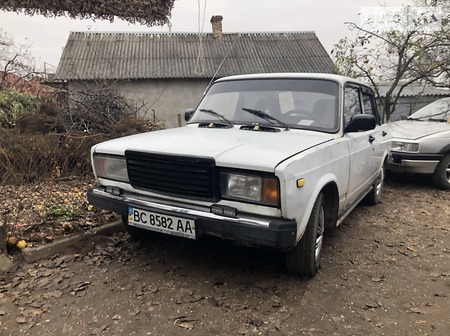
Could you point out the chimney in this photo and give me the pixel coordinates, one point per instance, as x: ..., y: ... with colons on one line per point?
x: 216, y: 21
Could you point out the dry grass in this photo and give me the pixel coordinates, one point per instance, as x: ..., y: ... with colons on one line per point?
x: 42, y: 212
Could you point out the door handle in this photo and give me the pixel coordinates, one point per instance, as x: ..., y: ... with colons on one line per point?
x: 371, y: 139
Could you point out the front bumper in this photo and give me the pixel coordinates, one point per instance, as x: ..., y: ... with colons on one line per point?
x: 413, y: 162
x: 244, y: 229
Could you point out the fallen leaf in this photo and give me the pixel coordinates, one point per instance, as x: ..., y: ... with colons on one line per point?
x: 12, y: 241
x: 21, y: 244
x: 188, y: 326
x: 416, y: 310
x: 21, y: 319
x: 98, y: 331
x: 43, y: 282
x: 82, y: 286
x: 134, y: 312
x: 153, y: 290
x: 196, y: 298
x: 46, y: 273
x: 380, y: 279
x: 372, y: 305
x: 54, y: 294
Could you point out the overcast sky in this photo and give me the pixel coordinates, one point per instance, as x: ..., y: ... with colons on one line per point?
x: 47, y: 36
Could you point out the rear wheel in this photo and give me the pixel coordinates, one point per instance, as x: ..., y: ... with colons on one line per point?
x: 374, y: 196
x: 304, y: 258
x: 441, y: 176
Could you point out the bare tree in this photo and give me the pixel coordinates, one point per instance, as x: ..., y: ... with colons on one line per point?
x: 16, y: 62
x: 149, y: 12
x: 407, y: 54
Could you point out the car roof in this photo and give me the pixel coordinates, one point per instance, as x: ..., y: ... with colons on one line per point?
x: 292, y: 75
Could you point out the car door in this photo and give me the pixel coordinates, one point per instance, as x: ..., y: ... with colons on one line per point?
x: 362, y: 145
x: 379, y: 136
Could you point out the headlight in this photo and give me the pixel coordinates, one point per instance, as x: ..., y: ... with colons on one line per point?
x: 252, y: 188
x: 111, y: 167
x: 405, y: 146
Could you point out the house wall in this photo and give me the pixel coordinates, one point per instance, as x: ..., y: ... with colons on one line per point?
x: 163, y: 101
x: 166, y: 100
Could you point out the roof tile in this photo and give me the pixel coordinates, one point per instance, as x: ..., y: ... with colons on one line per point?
x: 96, y: 55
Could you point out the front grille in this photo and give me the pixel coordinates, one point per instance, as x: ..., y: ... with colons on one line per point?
x: 182, y: 176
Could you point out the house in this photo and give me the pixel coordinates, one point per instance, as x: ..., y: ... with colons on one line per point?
x: 412, y: 98
x: 167, y: 73
x: 33, y: 86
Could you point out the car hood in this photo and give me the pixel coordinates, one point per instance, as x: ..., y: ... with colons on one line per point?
x: 255, y: 150
x: 413, y: 130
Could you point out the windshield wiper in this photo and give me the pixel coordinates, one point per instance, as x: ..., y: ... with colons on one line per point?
x: 218, y: 115
x: 425, y: 119
x: 267, y: 117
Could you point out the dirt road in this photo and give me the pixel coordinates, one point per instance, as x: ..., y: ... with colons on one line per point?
x: 386, y: 271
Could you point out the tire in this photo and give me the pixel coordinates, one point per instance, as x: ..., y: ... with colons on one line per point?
x: 374, y: 196
x: 441, y: 176
x: 304, y: 258
x: 135, y: 232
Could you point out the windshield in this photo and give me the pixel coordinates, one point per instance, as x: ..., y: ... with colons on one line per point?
x: 299, y: 103
x: 436, y: 111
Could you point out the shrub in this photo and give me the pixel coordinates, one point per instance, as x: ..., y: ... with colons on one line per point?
x: 31, y: 157
x: 12, y: 106
x: 49, y: 140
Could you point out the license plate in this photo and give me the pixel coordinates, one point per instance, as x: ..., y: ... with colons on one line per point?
x: 173, y: 225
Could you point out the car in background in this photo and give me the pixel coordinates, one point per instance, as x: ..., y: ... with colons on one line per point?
x: 421, y: 143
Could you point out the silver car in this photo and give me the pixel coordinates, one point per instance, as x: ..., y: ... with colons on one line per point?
x: 421, y: 143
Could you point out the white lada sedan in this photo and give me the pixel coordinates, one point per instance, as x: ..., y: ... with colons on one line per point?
x: 268, y: 160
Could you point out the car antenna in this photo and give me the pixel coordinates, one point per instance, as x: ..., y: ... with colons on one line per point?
x: 223, y: 60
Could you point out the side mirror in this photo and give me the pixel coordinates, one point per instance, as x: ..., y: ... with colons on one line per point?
x: 361, y: 123
x: 188, y: 114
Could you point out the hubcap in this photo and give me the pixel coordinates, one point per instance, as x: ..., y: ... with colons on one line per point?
x: 320, y: 230
x: 380, y: 180
x: 447, y: 173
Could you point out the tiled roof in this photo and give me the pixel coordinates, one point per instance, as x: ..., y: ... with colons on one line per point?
x: 415, y: 90
x: 89, y: 55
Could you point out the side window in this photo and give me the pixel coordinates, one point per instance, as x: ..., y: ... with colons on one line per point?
x: 352, y: 103
x: 368, y: 104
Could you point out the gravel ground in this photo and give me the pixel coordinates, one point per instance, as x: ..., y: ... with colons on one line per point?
x: 386, y: 271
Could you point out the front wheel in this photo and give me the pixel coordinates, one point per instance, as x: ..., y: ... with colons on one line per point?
x: 441, y: 176
x: 304, y: 258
